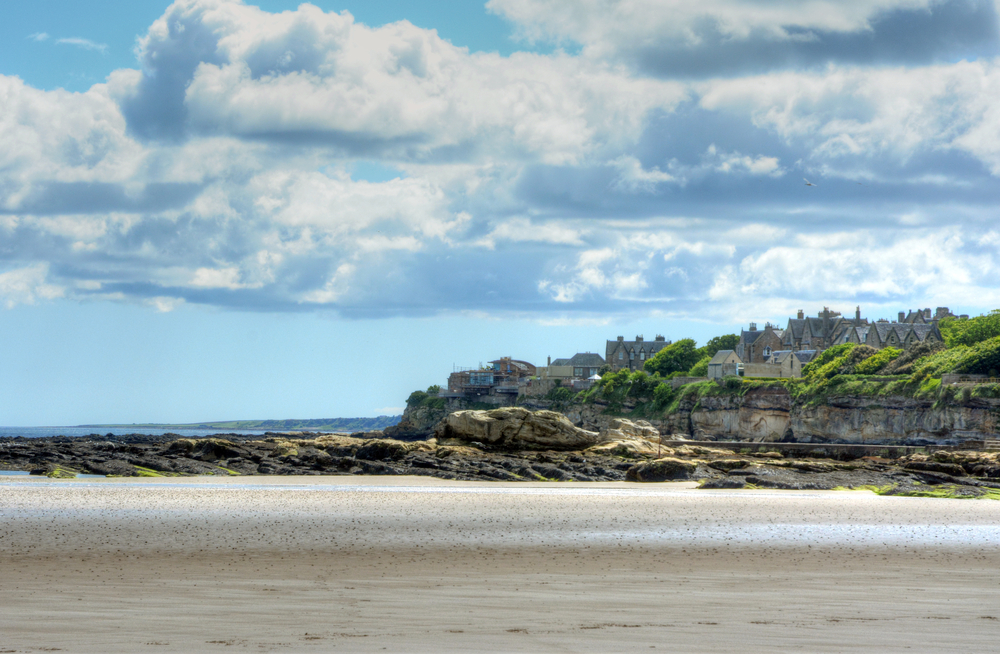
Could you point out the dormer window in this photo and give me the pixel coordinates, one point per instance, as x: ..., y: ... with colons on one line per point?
x: 642, y: 356
x: 631, y: 355
x: 767, y: 352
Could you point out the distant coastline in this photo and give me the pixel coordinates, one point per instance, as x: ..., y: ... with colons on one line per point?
x: 319, y: 424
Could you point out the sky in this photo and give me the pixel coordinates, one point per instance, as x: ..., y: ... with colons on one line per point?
x: 214, y: 209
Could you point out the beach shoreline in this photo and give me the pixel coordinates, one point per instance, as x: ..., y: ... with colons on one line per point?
x: 417, y: 564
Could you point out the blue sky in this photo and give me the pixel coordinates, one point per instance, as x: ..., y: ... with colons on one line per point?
x: 213, y: 209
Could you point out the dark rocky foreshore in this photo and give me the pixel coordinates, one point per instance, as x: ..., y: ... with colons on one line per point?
x: 943, y: 473
x: 138, y: 455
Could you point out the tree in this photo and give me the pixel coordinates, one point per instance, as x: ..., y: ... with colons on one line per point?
x: 676, y: 357
x: 725, y: 342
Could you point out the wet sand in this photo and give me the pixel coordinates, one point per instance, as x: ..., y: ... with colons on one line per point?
x: 413, y: 564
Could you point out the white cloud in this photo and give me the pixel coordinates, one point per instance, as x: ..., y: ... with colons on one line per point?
x: 39, y: 36
x: 632, y: 177
x: 28, y: 285
x: 86, y: 44
x: 398, y: 90
x: 861, y: 112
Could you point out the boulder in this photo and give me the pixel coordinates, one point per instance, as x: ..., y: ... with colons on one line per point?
x: 665, y: 469
x: 515, y: 428
x: 621, y: 429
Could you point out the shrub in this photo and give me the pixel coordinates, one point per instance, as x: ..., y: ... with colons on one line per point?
x: 970, y: 331
x: 877, y: 362
x: 679, y: 356
x: 699, y: 369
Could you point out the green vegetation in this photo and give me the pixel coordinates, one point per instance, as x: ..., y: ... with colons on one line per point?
x: 426, y: 398
x: 969, y: 331
x: 676, y: 357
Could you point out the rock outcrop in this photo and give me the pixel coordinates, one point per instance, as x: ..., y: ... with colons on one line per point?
x: 515, y: 428
x: 770, y: 415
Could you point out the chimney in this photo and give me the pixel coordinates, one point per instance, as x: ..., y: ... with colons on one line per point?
x: 621, y: 338
x: 857, y: 313
x: 927, y: 313
x: 801, y: 314
x: 638, y: 339
x: 660, y: 339
x: 550, y: 362
x: 753, y: 326
x: 902, y: 316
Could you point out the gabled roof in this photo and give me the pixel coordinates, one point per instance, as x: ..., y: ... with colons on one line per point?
x: 796, y: 325
x: 721, y: 356
x: 561, y: 362
x: 749, y: 337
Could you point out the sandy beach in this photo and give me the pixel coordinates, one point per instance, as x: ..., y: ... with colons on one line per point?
x: 413, y: 564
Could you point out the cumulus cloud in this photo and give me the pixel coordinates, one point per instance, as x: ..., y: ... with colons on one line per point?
x: 726, y: 37
x: 27, y: 285
x: 572, y: 187
x: 397, y: 91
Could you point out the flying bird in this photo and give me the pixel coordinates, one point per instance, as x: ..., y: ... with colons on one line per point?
x: 808, y: 183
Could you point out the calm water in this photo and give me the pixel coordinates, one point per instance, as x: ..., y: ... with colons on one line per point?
x: 41, y: 432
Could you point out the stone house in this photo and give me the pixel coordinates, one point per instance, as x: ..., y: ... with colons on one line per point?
x: 756, y: 346
x: 581, y: 365
x: 725, y: 363
x: 632, y: 355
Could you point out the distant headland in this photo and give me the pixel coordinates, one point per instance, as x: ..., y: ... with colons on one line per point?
x: 349, y: 425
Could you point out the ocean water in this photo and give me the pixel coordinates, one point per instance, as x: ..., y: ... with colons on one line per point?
x: 41, y: 432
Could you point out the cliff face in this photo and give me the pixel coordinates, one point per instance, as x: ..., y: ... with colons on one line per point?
x: 770, y: 415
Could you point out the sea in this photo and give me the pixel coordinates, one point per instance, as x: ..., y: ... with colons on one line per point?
x: 42, y: 432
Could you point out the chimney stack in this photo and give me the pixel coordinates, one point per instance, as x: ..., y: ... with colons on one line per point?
x: 857, y: 313
x: 801, y: 314
x: 753, y: 326
x: 638, y: 339
x: 902, y: 316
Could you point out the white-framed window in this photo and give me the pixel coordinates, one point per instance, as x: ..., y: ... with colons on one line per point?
x: 767, y: 352
x: 642, y: 356
x: 621, y: 355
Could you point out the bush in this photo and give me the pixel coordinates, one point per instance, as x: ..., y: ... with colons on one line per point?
x: 904, y: 363
x: 416, y: 398
x: 699, y: 369
x: 676, y: 357
x: 970, y: 331
x: 877, y: 362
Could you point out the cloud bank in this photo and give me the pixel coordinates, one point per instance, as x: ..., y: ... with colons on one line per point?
x: 655, y: 167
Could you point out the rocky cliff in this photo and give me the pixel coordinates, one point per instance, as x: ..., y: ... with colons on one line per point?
x: 770, y: 414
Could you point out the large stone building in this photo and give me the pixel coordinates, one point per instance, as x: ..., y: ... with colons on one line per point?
x: 829, y: 328
x: 632, y: 355
x: 756, y: 345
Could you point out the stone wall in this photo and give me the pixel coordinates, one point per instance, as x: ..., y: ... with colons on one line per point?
x: 761, y: 370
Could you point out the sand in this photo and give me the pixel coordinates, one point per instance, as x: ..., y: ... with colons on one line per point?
x: 419, y: 565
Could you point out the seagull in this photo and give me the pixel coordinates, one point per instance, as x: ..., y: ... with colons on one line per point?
x: 808, y: 183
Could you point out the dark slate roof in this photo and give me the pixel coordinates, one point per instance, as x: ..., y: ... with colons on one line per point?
x: 780, y: 355
x: 561, y: 362
x: 805, y: 356
x: 749, y: 337
x: 796, y: 325
x: 586, y: 360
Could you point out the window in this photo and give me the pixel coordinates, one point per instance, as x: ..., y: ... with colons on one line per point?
x: 642, y: 356
x: 767, y: 352
x: 621, y: 355
x: 631, y: 355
